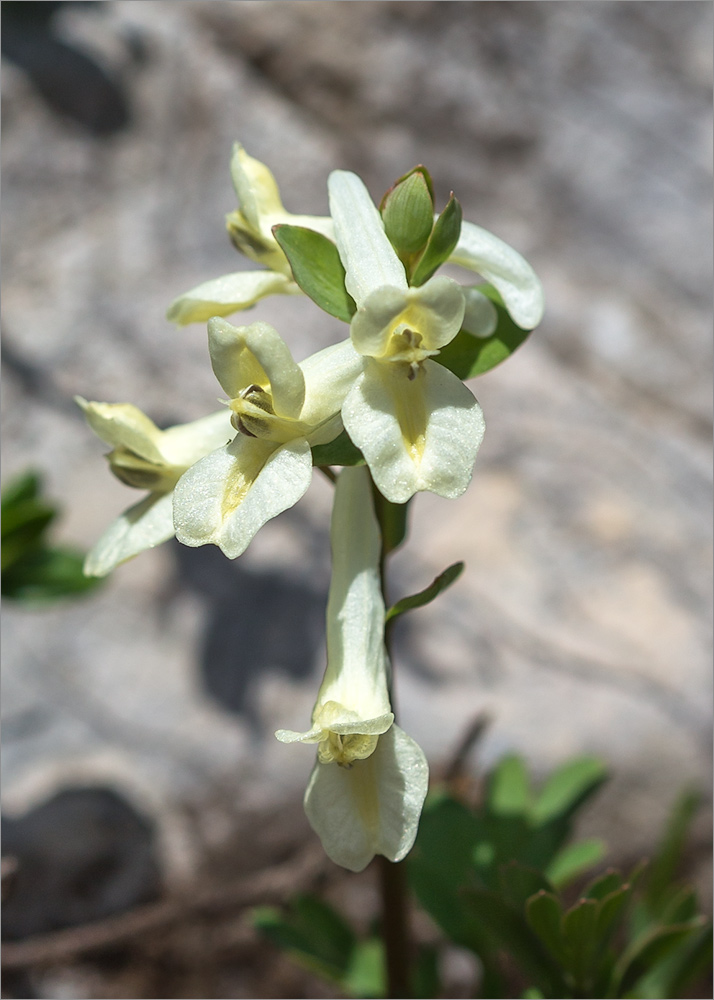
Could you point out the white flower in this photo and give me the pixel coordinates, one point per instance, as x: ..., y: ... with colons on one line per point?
x: 416, y: 423
x: 250, y: 229
x: 149, y: 459
x: 369, y: 782
x: 279, y: 408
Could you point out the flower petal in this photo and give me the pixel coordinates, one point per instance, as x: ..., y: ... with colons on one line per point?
x: 124, y: 425
x: 143, y: 526
x: 368, y: 257
x: 228, y: 294
x: 242, y: 355
x: 255, y: 186
x: 373, y: 807
x: 480, y: 316
x: 329, y: 376
x: 184, y: 444
x: 225, y: 498
x: 511, y: 274
x: 415, y: 435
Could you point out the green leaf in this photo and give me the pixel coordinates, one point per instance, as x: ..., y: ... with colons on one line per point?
x: 573, y: 860
x: 603, y: 885
x: 468, y: 356
x: 313, y: 932
x: 579, y: 938
x: 518, y: 883
x: 443, y: 240
x: 46, y: 574
x: 317, y: 269
x: 366, y: 974
x: 23, y: 526
x: 426, y: 596
x: 509, y: 788
x: 544, y: 915
x: 610, y: 909
x: 408, y: 213
x: 649, y: 949
x: 23, y: 487
x: 339, y: 451
x: 567, y: 788
x: 689, y: 962
x: 425, y: 977
x: 663, y: 867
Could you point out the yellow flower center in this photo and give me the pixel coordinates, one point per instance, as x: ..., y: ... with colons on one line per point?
x: 344, y: 750
x: 253, y: 415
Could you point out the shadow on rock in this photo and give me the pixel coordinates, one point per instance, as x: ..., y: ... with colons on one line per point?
x: 70, y: 82
x: 257, y: 622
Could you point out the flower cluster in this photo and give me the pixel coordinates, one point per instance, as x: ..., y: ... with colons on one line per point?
x: 392, y: 393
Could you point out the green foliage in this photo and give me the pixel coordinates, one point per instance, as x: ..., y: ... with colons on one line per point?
x: 34, y: 571
x: 468, y: 356
x: 317, y: 269
x: 393, y: 521
x: 442, y: 241
x: 491, y: 877
x: 426, y: 596
x: 339, y: 451
x: 320, y: 939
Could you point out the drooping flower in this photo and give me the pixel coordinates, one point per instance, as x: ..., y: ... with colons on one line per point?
x: 147, y: 458
x: 417, y: 425
x: 250, y: 230
x: 368, y: 785
x: 279, y: 409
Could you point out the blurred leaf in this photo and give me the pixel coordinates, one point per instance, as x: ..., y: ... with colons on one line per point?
x: 339, y: 451
x: 579, y: 939
x: 23, y: 487
x: 544, y: 915
x: 425, y: 979
x: 663, y: 866
x: 518, y: 883
x: 611, y: 908
x: 573, y: 860
x: 532, y: 994
x: 468, y: 356
x: 317, y: 269
x: 443, y: 240
x: 672, y: 976
x: 313, y: 932
x: 426, y: 596
x: 509, y: 788
x: 46, y: 574
x: 603, y: 885
x: 568, y: 788
x: 366, y: 974
x: 649, y: 949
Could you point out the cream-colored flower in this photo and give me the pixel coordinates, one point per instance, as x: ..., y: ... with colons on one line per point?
x: 250, y: 229
x: 368, y: 786
x: 416, y: 423
x: 149, y: 459
x: 279, y: 409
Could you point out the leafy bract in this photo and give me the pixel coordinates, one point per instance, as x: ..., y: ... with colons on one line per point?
x: 317, y: 269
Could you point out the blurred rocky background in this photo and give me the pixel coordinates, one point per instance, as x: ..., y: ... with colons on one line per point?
x: 143, y: 715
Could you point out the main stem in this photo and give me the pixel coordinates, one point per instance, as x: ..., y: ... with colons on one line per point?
x: 392, y: 877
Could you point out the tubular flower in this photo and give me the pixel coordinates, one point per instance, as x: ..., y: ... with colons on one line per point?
x: 149, y: 459
x: 250, y: 230
x: 279, y: 409
x: 416, y: 423
x: 368, y: 785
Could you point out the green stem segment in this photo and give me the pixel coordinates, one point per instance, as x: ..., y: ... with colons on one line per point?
x: 392, y: 877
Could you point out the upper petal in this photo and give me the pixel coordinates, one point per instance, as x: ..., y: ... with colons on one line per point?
x: 184, y: 444
x: 510, y: 273
x: 124, y: 425
x: 374, y: 806
x: 228, y: 294
x: 368, y: 257
x: 415, y: 435
x: 142, y: 526
x: 255, y: 186
x: 242, y: 355
x: 226, y: 497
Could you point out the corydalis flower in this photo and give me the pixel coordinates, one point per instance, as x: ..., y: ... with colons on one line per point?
x: 279, y: 409
x: 250, y: 230
x: 149, y: 459
x: 369, y: 782
x: 417, y: 425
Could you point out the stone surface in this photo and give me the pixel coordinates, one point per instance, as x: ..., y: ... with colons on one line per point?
x: 581, y: 133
